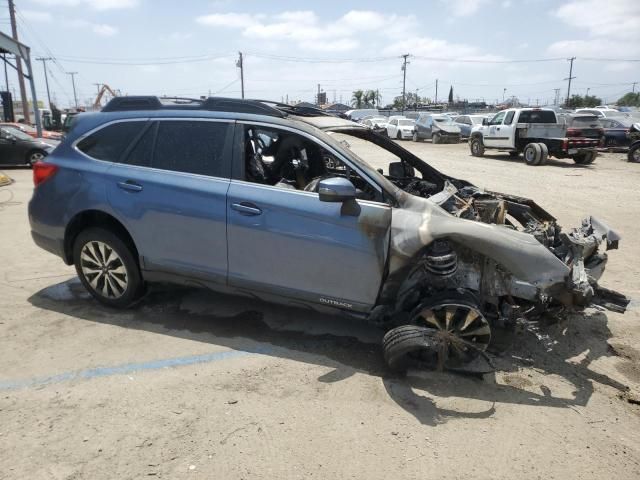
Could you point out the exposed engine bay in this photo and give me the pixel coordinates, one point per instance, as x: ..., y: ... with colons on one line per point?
x: 491, y: 261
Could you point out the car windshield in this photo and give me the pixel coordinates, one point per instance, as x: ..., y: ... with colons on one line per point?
x: 16, y: 133
x: 586, y: 121
x: 444, y: 120
x: 406, y: 123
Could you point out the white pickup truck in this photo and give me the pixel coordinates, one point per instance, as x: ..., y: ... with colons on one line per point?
x: 535, y: 132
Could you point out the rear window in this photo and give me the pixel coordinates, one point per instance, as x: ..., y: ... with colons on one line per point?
x: 584, y: 122
x: 192, y: 147
x: 537, y: 116
x: 110, y: 142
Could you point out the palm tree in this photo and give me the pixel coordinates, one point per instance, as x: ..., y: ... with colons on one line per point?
x: 357, y: 99
x: 370, y: 98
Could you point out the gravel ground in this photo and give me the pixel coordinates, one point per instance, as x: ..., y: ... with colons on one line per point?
x: 194, y: 385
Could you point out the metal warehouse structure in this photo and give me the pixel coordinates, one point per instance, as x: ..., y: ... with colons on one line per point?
x: 9, y: 46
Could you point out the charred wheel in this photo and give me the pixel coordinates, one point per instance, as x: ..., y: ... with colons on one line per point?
x: 445, y: 332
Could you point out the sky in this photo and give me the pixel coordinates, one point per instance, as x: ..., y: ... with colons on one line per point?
x: 190, y: 48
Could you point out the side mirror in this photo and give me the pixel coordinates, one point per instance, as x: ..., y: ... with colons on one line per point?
x: 485, y: 121
x: 336, y: 189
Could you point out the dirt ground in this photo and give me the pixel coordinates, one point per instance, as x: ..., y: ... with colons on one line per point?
x: 194, y: 385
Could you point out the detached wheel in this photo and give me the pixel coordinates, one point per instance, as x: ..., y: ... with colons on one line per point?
x: 532, y: 154
x: 634, y: 154
x: 544, y: 153
x: 35, y: 156
x: 586, y: 158
x: 477, y: 147
x: 107, y: 268
x: 436, y: 138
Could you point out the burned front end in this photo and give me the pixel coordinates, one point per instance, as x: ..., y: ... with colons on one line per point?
x: 465, y: 261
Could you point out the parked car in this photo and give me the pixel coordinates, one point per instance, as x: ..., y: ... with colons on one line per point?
x: 603, y: 112
x: 467, y: 122
x: 32, y: 132
x: 634, y: 149
x: 536, y: 132
x: 400, y: 128
x: 377, y: 124
x: 359, y: 113
x: 616, y: 131
x: 221, y: 193
x: 438, y: 127
x: 18, y: 148
x: 584, y: 125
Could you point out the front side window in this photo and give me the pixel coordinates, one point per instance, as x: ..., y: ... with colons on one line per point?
x: 192, y: 146
x: 110, y: 142
x: 497, y: 119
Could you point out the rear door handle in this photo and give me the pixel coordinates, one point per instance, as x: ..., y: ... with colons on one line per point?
x: 246, y: 208
x: 130, y: 186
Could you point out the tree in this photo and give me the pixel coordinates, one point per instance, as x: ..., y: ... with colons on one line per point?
x: 411, y: 100
x: 629, y: 100
x: 578, y: 101
x: 370, y: 98
x: 357, y: 99
x: 451, y: 95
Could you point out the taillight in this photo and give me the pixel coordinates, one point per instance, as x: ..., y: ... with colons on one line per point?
x: 573, y: 132
x: 42, y: 172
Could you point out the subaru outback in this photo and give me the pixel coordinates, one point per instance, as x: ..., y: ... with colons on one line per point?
x: 282, y: 203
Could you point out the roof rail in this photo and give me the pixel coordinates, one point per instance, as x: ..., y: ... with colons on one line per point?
x: 219, y: 104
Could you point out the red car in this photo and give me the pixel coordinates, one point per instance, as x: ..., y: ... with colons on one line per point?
x: 31, y: 131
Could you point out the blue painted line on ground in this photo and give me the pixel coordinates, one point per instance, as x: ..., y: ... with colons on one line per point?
x: 127, y: 368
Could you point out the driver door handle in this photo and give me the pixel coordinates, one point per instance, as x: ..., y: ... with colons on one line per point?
x: 246, y: 208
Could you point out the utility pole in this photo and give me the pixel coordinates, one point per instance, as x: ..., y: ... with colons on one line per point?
x: 570, y: 78
x: 417, y: 89
x: 556, y: 99
x: 6, y: 76
x: 23, y: 90
x: 73, y: 82
x: 98, y: 85
x: 503, y: 92
x: 633, y: 86
x: 436, y: 99
x: 240, y: 65
x: 318, y: 96
x: 46, y: 78
x: 404, y: 81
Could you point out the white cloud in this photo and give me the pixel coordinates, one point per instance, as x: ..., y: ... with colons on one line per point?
x: 464, y: 8
x: 596, y: 47
x: 614, y: 19
x: 305, y: 28
x: 97, y: 28
x: 37, y: 16
x: 95, y: 4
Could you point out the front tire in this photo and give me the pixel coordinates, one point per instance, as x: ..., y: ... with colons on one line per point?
x: 398, y: 136
x: 436, y: 138
x: 415, y: 137
x: 107, y: 268
x: 477, y: 147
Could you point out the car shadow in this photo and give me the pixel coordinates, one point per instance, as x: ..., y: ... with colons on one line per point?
x: 551, y: 162
x: 348, y: 347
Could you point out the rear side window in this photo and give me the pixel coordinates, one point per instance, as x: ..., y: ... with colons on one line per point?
x: 537, y: 116
x: 110, y: 142
x: 193, y: 147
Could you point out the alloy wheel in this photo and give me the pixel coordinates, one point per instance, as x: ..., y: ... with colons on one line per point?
x: 104, y: 269
x: 35, y: 157
x: 462, y: 331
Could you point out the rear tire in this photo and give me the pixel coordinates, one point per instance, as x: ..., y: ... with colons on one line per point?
x: 532, y: 154
x: 107, y: 268
x: 35, y: 156
x: 477, y: 147
x: 585, y: 158
x: 415, y: 137
x: 398, y: 137
x: 634, y: 154
x: 545, y: 153
x: 436, y: 138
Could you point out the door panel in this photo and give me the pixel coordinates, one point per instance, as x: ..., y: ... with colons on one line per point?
x: 292, y: 244
x: 177, y: 220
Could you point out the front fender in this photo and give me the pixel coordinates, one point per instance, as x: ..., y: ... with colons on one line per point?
x: 419, y: 222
